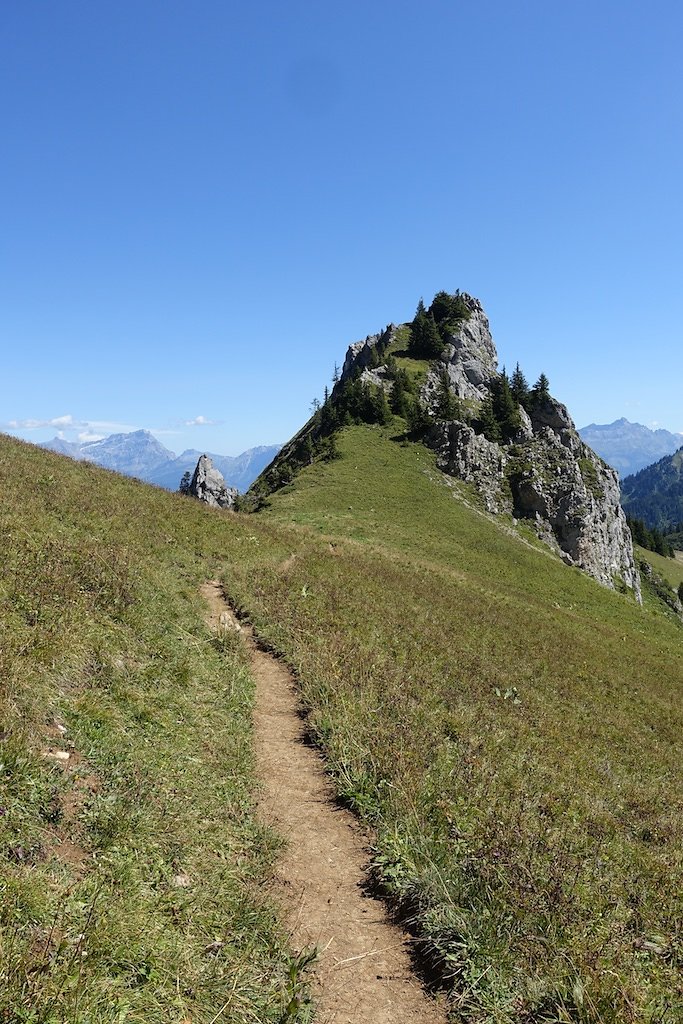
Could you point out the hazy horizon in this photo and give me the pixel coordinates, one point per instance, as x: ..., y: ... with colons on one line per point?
x: 204, y: 207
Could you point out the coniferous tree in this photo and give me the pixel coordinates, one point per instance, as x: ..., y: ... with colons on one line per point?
x: 449, y: 311
x: 332, y: 449
x: 519, y: 387
x: 329, y: 418
x: 637, y: 527
x: 432, y: 342
x: 448, y: 406
x: 541, y: 390
x: 417, y: 330
x: 185, y: 482
x: 650, y: 538
x: 442, y: 307
x: 400, y: 394
x: 373, y: 361
x: 487, y: 422
x: 307, y: 450
x: 419, y: 420
x: 381, y: 409
x: 398, y: 398
x: 505, y: 409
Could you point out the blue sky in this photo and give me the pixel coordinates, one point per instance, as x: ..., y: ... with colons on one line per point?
x: 204, y: 204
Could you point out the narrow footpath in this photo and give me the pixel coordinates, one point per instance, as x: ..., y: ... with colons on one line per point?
x: 363, y: 974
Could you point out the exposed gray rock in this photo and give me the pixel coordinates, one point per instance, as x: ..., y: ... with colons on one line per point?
x: 208, y: 485
x: 362, y: 354
x: 468, y: 362
x: 526, y: 429
x: 545, y: 473
x: 379, y: 376
x: 470, y: 355
x: 554, y: 415
x: 553, y: 479
x: 574, y: 498
x: 471, y: 457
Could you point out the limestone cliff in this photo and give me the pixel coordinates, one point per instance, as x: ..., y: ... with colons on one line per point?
x: 542, y: 472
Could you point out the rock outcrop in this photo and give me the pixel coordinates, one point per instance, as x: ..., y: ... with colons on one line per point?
x: 543, y: 472
x: 362, y: 355
x: 471, y: 457
x: 208, y: 485
x: 469, y: 356
x: 573, y: 496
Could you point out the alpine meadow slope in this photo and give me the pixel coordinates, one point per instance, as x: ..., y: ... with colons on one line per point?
x: 506, y: 726
x: 132, y: 867
x: 510, y: 728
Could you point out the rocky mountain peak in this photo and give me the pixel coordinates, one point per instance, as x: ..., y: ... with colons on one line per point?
x: 209, y: 486
x: 517, y: 445
x: 542, y: 471
x: 535, y: 466
x: 470, y: 357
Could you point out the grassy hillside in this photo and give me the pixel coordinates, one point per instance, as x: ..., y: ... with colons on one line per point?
x: 670, y: 568
x: 511, y: 728
x: 131, y: 867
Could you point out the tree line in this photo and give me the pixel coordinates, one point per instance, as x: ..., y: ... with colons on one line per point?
x: 649, y: 537
x: 431, y: 327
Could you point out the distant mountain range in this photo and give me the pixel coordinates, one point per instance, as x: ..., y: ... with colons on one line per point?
x: 139, y: 454
x: 629, y: 447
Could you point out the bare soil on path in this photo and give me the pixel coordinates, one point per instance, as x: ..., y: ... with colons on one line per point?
x: 363, y: 974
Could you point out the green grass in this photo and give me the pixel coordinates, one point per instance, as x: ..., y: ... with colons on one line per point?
x: 670, y: 568
x: 417, y: 368
x: 131, y: 876
x: 509, y: 727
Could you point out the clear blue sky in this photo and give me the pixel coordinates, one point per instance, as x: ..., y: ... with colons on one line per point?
x: 204, y: 203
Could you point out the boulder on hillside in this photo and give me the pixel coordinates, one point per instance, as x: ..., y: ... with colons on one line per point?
x: 209, y: 486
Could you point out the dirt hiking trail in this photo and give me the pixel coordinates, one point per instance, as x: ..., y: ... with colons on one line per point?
x: 363, y: 974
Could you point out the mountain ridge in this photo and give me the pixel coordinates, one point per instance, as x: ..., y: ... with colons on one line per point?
x: 629, y: 447
x: 140, y: 454
x: 517, y: 446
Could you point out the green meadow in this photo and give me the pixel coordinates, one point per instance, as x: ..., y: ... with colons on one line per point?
x: 508, y: 730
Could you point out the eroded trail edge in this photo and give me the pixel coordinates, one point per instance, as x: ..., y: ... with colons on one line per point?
x: 363, y: 973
